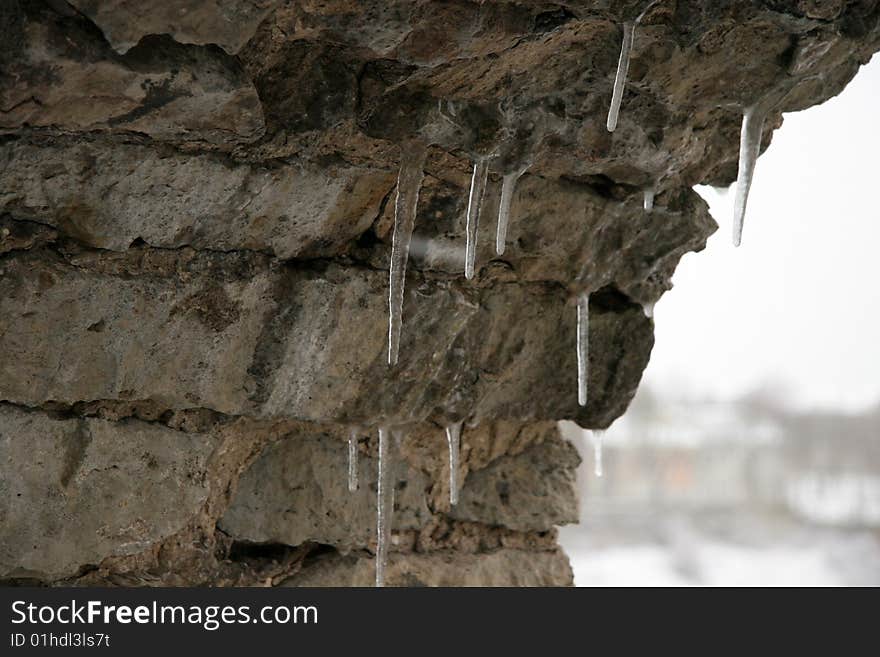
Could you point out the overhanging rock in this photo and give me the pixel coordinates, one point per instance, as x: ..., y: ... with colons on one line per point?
x: 197, y: 203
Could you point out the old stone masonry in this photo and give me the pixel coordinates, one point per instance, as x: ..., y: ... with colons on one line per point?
x: 200, y: 203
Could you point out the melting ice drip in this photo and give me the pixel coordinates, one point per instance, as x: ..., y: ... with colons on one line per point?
x: 453, y: 437
x: 353, y: 460
x: 749, y: 147
x: 475, y: 200
x: 583, y: 345
x: 409, y: 180
x: 384, y: 505
x: 629, y: 30
x: 508, y: 184
x: 649, y: 198
x: 598, y: 435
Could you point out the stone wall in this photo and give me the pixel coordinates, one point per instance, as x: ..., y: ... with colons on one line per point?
x: 196, y: 204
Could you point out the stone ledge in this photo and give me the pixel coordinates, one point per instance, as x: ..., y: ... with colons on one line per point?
x: 500, y: 568
x: 230, y: 333
x: 59, y: 64
x: 73, y: 490
x: 296, y: 491
x: 131, y: 501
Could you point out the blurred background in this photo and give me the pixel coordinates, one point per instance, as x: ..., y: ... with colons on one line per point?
x: 751, y: 454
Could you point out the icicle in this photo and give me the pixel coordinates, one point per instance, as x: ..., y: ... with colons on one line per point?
x: 384, y: 504
x: 409, y: 180
x: 597, y: 452
x: 453, y: 437
x: 353, y: 461
x: 629, y: 30
x: 648, y: 309
x: 475, y: 199
x: 649, y: 198
x: 583, y: 345
x: 508, y: 184
x: 620, y: 79
x: 749, y: 146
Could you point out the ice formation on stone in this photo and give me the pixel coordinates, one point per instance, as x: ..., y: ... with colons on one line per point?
x: 749, y: 147
x: 754, y: 117
x: 384, y: 505
x: 620, y: 78
x: 475, y: 200
x: 409, y: 180
x: 453, y: 438
x: 583, y: 345
x: 629, y: 30
x: 508, y: 184
x: 649, y: 198
x: 353, y: 460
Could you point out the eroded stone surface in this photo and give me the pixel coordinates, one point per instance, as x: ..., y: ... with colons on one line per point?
x: 500, y: 568
x: 694, y: 66
x: 232, y: 333
x: 195, y: 218
x: 109, y: 196
x: 59, y: 72
x: 227, y: 23
x: 76, y: 491
x: 532, y: 491
x: 297, y: 490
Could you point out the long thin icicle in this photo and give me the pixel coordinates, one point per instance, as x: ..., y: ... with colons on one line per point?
x: 597, y: 452
x: 409, y: 180
x: 749, y: 147
x: 353, y: 461
x: 453, y: 437
x: 620, y: 78
x: 475, y: 200
x: 508, y: 184
x: 629, y: 30
x: 384, y: 505
x: 583, y: 345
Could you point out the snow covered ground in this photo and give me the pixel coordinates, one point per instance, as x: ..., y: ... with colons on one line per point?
x: 721, y: 550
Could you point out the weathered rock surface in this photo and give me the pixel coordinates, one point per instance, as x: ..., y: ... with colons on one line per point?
x: 237, y: 334
x: 297, y: 491
x: 227, y: 23
x: 524, y: 492
x: 58, y: 72
x: 111, y: 197
x: 504, y: 567
x: 196, y: 205
x: 71, y: 494
x: 78, y: 512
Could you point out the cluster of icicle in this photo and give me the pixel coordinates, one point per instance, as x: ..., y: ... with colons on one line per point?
x: 386, y: 482
x: 750, y: 133
x: 413, y: 155
x: 409, y: 181
x: 412, y: 161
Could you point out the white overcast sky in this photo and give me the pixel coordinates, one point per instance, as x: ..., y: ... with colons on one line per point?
x: 797, y: 306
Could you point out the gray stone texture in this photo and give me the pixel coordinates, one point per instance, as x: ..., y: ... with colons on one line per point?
x: 196, y: 209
